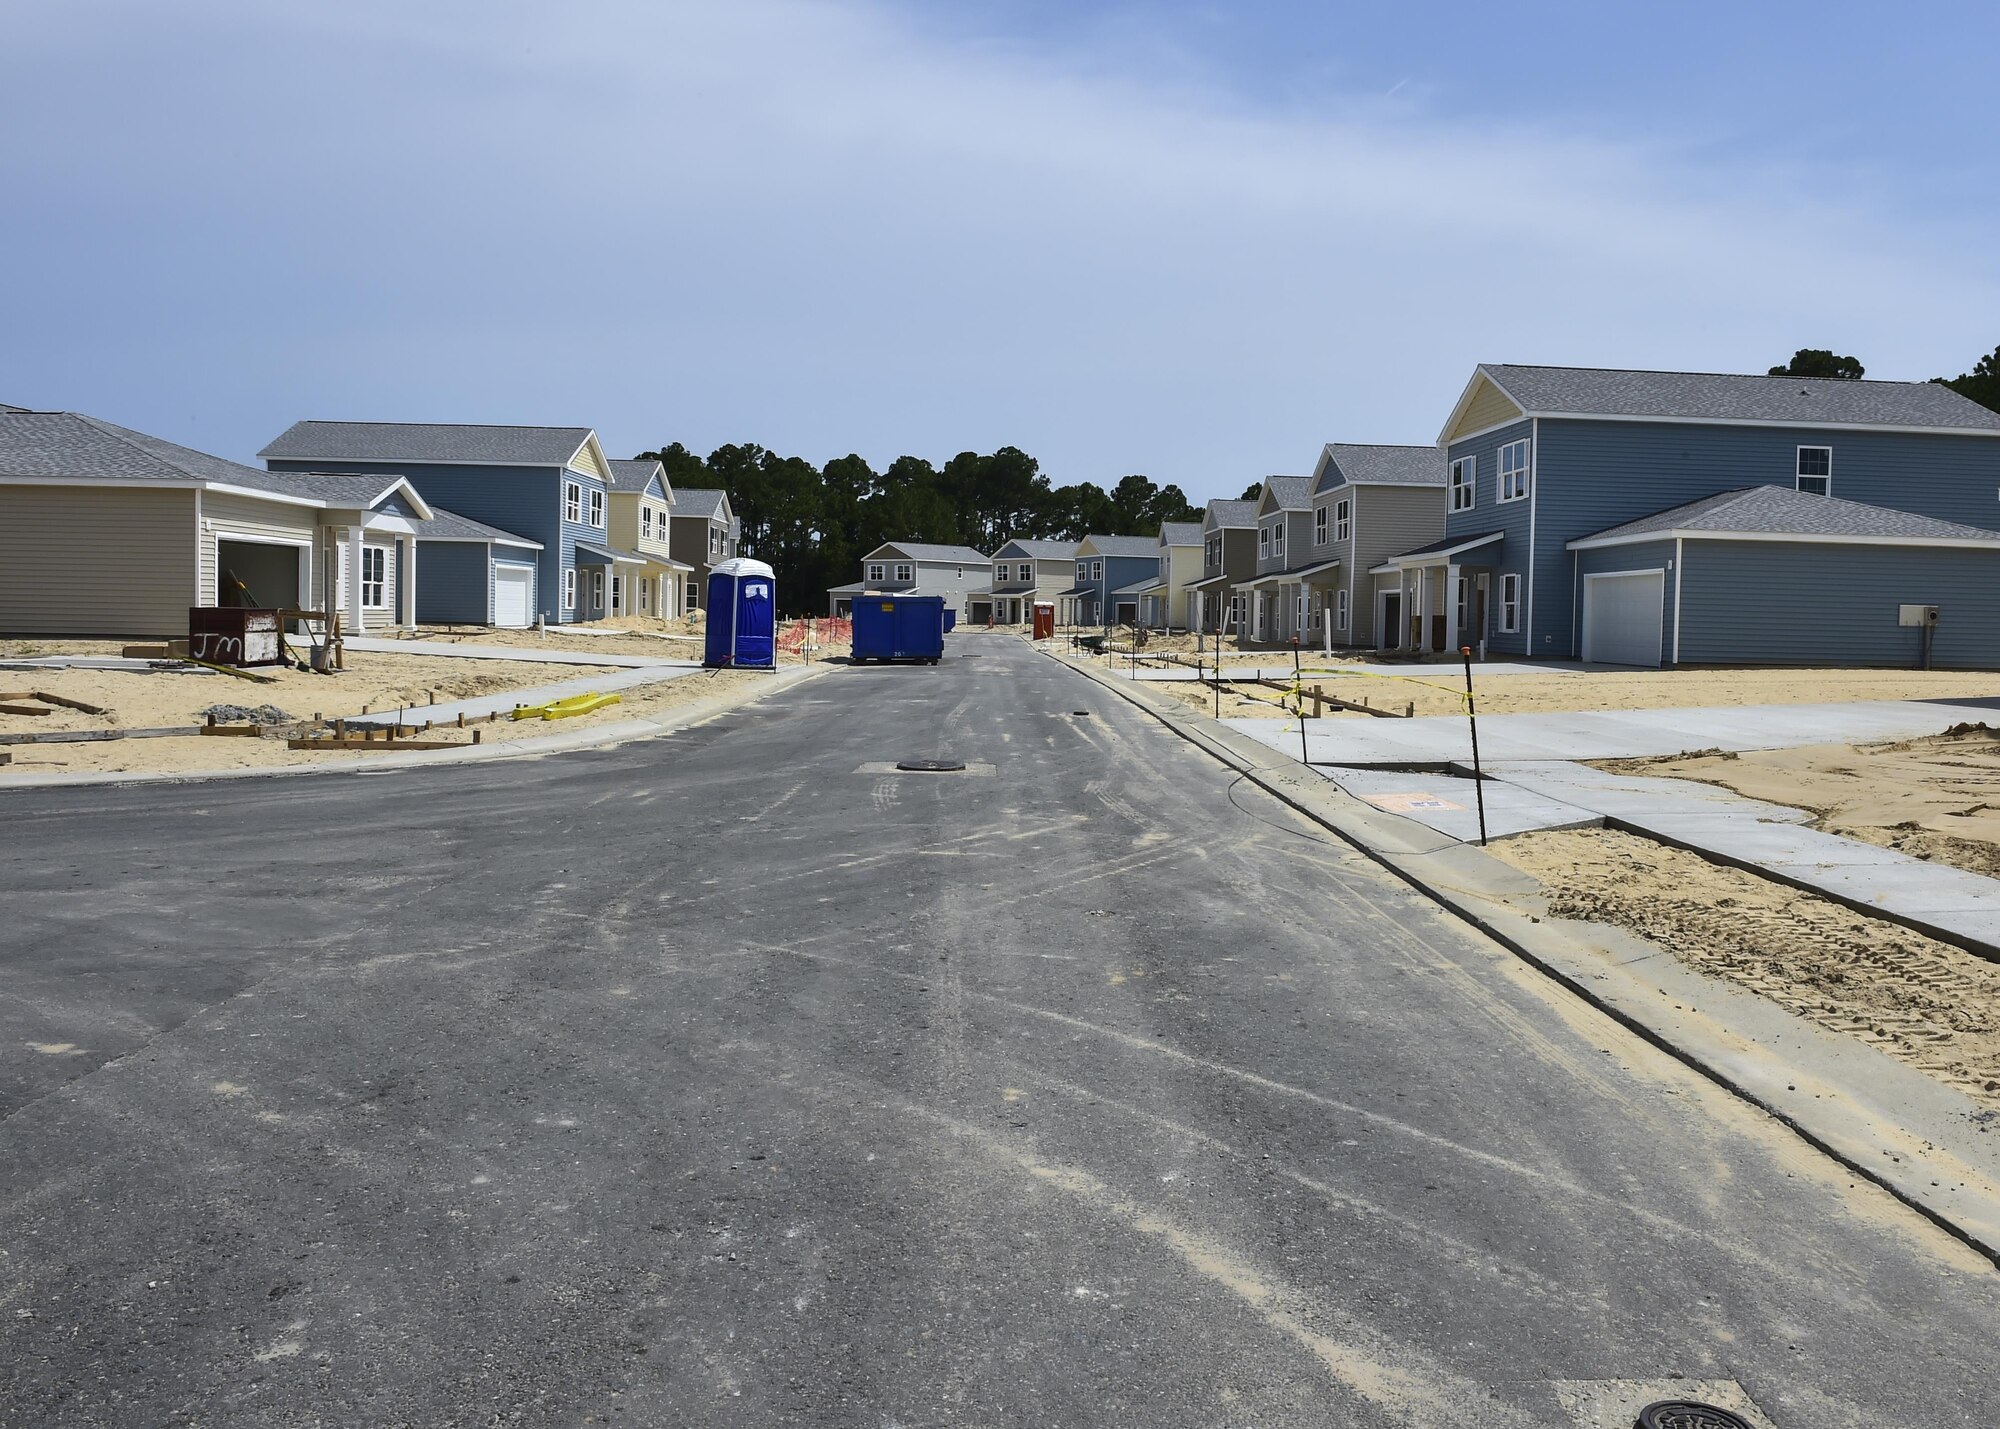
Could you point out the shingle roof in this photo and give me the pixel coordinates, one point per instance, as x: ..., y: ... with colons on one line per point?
x: 1363, y: 465
x: 1729, y: 396
x: 1138, y: 587
x: 1781, y: 511
x: 633, y: 475
x: 335, y: 442
x: 922, y: 551
x: 1180, y: 533
x: 1225, y: 514
x: 449, y: 525
x: 1040, y: 550
x: 1291, y: 491
x: 74, y: 445
x: 697, y: 501
x: 1125, y: 545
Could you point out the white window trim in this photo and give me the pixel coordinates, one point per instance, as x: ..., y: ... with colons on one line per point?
x: 1340, y: 609
x: 1510, y: 607
x: 877, y: 571
x: 1343, y: 519
x: 597, y: 590
x: 1799, y: 477
x: 597, y: 509
x: 1468, y: 490
x: 573, y: 502
x: 905, y: 571
x: 1097, y: 570
x: 375, y: 577
x: 1518, y: 474
x: 1322, y: 526
x: 569, y: 589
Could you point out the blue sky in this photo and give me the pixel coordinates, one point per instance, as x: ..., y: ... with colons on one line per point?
x: 1193, y: 240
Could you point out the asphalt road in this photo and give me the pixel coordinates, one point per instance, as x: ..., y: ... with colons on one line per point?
x: 714, y: 1081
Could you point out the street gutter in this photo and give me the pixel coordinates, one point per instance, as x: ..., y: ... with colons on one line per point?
x: 1932, y: 1148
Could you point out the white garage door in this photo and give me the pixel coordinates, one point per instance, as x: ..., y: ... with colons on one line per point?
x: 1621, y: 617
x: 513, y: 596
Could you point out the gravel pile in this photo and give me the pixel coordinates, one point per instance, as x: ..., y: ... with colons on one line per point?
x: 247, y: 714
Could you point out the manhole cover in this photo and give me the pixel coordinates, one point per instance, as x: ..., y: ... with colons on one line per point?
x: 950, y: 766
x: 1081, y: 714
x: 1686, y: 1414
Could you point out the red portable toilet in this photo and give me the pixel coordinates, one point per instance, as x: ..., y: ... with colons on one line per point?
x: 1045, y: 619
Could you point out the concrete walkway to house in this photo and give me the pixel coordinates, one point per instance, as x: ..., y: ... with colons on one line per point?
x: 482, y: 705
x: 1772, y: 839
x: 1436, y: 741
x: 538, y: 654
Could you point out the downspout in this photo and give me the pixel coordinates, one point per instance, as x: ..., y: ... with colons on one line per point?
x: 1680, y: 565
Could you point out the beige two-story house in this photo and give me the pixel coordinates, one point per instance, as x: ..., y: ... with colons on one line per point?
x: 641, y: 527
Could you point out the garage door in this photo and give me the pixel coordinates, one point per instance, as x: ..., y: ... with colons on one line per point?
x: 1621, y: 617
x: 513, y: 596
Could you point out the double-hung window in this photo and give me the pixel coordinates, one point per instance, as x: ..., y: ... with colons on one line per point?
x: 1263, y: 542
x: 646, y: 522
x: 877, y: 574
x: 1319, y: 526
x: 617, y: 593
x: 374, y: 576
x: 905, y: 574
x: 1097, y: 570
x: 1464, y: 479
x: 573, y: 502
x: 1343, y: 519
x: 1510, y: 603
x: 597, y: 590
x: 569, y: 589
x: 1082, y: 572
x: 1514, y: 470
x: 1340, y: 609
x: 597, y: 509
x: 1816, y: 471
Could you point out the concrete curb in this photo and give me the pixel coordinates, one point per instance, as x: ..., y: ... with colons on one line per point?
x: 1926, y: 1145
x: 599, y: 737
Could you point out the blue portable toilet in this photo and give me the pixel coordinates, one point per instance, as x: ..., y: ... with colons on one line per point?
x: 742, y: 615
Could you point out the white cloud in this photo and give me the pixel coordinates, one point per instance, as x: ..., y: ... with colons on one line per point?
x: 806, y: 224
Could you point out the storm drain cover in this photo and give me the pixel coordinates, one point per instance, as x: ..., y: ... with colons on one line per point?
x: 1686, y: 1414
x: 947, y: 766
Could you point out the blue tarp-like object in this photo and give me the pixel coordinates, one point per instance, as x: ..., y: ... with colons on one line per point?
x: 742, y: 616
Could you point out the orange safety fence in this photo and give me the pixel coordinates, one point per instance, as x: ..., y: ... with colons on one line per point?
x: 823, y: 630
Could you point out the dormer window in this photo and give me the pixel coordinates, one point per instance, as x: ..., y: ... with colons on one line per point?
x: 1815, y: 475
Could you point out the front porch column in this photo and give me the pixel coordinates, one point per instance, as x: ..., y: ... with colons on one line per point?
x: 354, y: 625
x: 406, y: 568
x: 1451, y: 579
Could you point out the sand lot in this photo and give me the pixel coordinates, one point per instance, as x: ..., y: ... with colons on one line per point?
x: 372, y: 682
x: 1928, y: 1003
x: 1618, y: 689
x: 1936, y: 798
x: 626, y: 635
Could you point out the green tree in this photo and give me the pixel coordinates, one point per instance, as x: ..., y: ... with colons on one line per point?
x: 1251, y: 492
x: 1818, y: 362
x: 1982, y: 384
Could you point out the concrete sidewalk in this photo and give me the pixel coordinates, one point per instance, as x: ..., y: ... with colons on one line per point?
x: 1943, y: 902
x: 1440, y: 740
x: 1449, y: 804
x: 516, y: 652
x: 1121, y: 668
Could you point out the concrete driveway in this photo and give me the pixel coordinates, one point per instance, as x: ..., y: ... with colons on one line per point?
x: 707, y: 1080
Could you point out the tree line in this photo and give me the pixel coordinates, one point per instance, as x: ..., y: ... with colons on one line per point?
x: 1981, y: 385
x: 814, y: 524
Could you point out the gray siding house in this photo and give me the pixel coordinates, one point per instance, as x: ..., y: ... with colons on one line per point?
x: 917, y: 568
x: 1277, y: 596
x: 1228, y: 560
x: 1024, y: 572
x: 1369, y: 503
x: 705, y: 534
x: 1540, y: 457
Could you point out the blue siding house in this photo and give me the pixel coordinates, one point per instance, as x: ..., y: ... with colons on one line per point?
x: 547, y: 488
x: 1540, y: 458
x: 1112, y: 575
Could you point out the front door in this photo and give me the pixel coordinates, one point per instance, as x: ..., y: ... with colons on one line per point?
x: 1392, y: 620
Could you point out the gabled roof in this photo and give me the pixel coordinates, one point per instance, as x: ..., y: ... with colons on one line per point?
x: 70, y: 445
x: 441, y: 443
x: 1227, y: 515
x: 1781, y: 511
x: 703, y: 502
x: 638, y: 476
x: 1355, y: 464
x: 1038, y: 550
x: 1729, y: 397
x: 1180, y: 533
x: 925, y: 551
x: 450, y: 526
x: 1284, y: 493
x: 1120, y: 546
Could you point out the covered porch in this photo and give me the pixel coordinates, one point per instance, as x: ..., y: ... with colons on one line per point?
x: 1208, y: 605
x: 652, y: 587
x: 1439, y: 597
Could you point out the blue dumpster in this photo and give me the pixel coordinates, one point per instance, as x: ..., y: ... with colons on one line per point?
x: 899, y: 627
x: 950, y: 620
x: 742, y: 615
